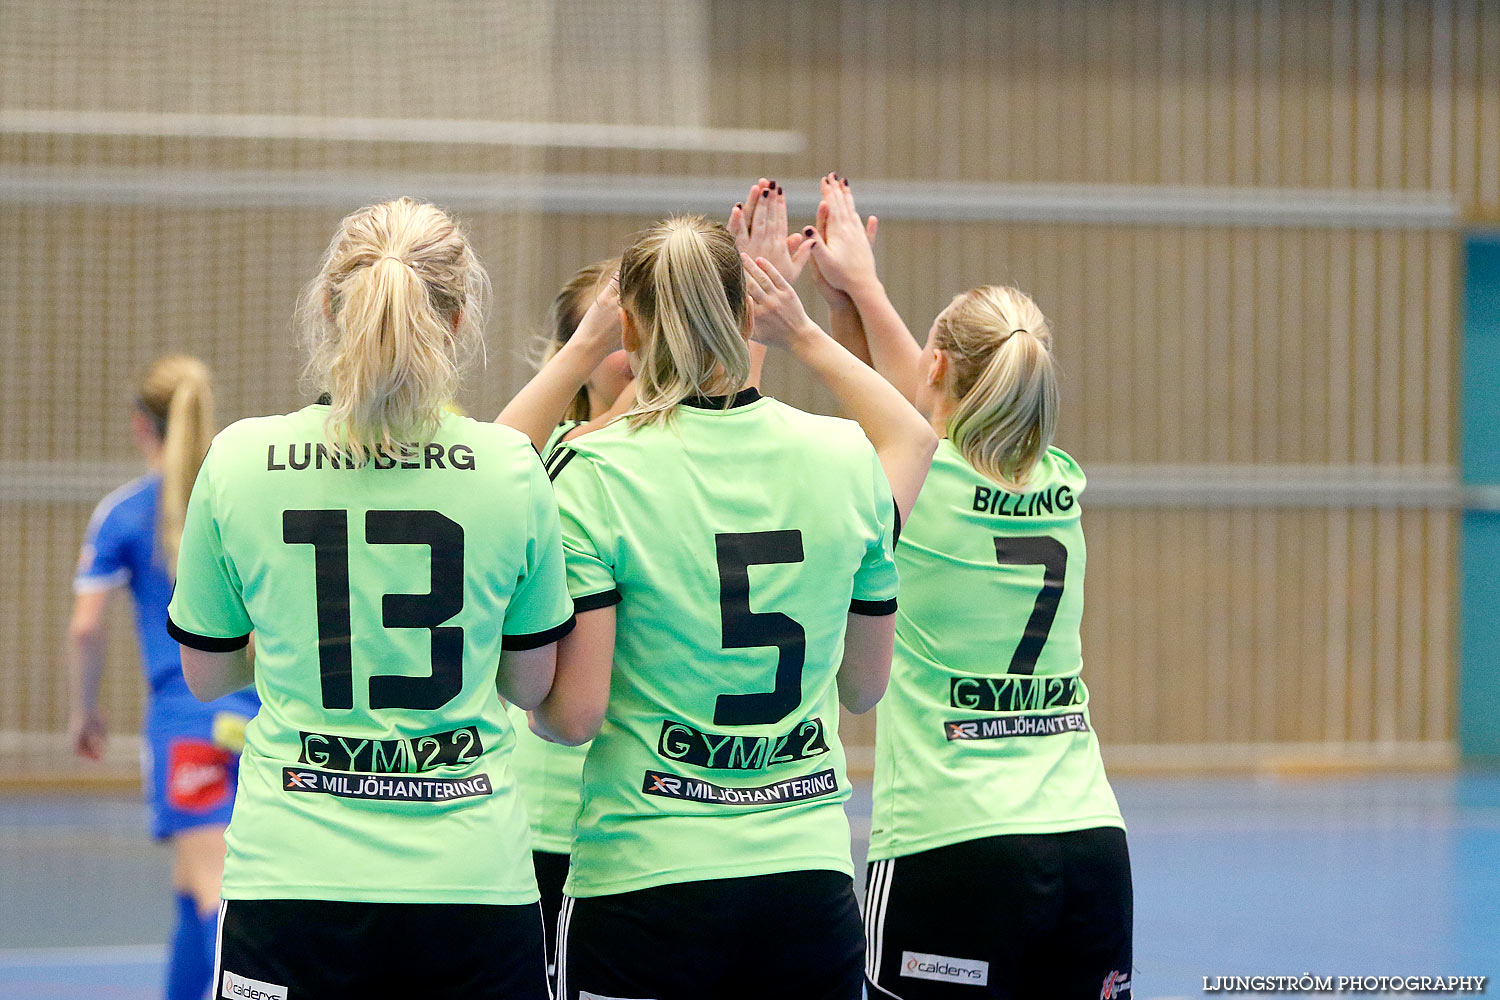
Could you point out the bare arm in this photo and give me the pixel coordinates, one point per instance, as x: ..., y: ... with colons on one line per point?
x: 540, y: 405
x: 903, y: 439
x: 213, y: 675
x: 574, y: 709
x: 866, y: 667
x: 846, y: 261
x: 526, y: 675
x: 86, y: 643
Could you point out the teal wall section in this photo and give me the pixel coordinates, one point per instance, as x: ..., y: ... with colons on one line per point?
x: 1479, y: 570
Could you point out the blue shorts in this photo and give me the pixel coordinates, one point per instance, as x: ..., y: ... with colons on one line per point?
x: 188, y: 777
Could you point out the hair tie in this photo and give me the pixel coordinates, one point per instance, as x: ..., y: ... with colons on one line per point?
x: 1019, y: 330
x: 398, y: 260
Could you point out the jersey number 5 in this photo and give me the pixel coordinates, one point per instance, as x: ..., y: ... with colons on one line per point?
x: 746, y: 629
x: 1052, y: 556
x: 327, y: 531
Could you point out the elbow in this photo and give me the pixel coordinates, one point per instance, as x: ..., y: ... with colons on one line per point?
x: 861, y: 696
x: 862, y: 702
x: 86, y: 632
x: 567, y: 728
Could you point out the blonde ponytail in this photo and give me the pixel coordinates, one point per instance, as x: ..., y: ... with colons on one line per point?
x: 390, y: 323
x: 683, y: 285
x: 176, y: 394
x: 1000, y: 349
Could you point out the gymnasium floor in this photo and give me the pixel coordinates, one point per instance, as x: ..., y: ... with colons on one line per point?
x: 1368, y: 877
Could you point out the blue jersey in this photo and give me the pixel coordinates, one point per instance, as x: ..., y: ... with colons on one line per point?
x: 121, y: 550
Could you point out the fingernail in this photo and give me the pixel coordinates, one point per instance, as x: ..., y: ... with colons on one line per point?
x: 740, y: 205
x: 846, y: 182
x: 765, y: 193
x: 808, y: 231
x: 778, y: 189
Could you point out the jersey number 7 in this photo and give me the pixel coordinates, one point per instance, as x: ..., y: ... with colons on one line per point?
x: 327, y: 531
x: 1052, y: 556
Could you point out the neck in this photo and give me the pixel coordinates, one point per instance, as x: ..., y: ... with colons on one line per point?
x: 942, y: 412
x: 598, y: 405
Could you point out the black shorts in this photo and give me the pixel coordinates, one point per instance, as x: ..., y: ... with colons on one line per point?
x: 316, y: 949
x: 1020, y: 916
x: 551, y: 873
x: 794, y: 934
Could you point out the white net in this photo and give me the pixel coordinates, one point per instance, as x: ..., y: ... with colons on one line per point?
x: 170, y: 172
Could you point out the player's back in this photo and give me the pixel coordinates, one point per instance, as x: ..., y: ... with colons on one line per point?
x: 380, y: 596
x: 735, y: 542
x: 986, y: 711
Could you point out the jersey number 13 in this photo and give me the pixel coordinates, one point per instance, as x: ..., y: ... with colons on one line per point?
x: 327, y: 531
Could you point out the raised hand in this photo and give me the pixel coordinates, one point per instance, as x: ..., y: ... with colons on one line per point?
x: 759, y: 229
x: 779, y: 316
x: 541, y: 403
x: 601, y: 322
x: 844, y: 259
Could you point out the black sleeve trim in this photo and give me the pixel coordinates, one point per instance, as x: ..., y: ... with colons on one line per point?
x: 533, y: 640
x: 206, y: 643
x: 873, y: 609
x: 896, y: 535
x: 593, y: 602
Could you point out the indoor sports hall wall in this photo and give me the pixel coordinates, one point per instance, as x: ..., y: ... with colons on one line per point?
x: 1239, y: 218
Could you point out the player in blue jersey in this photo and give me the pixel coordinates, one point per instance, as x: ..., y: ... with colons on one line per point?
x: 191, y: 750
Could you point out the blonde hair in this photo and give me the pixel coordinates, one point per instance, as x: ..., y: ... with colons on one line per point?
x: 572, y: 301
x: 1000, y: 349
x: 683, y: 285
x: 391, y: 321
x: 176, y: 395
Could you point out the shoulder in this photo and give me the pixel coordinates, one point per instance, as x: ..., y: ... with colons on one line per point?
x: 610, y: 441
x: 250, y: 431
x: 127, y: 503
x: 818, y: 432
x: 1057, y: 466
x: 489, y: 436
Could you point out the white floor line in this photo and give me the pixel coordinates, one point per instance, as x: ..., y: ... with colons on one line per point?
x: 125, y: 954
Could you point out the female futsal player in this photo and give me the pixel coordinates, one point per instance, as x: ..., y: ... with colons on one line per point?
x: 998, y: 855
x: 730, y: 558
x: 396, y: 563
x: 586, y: 315
x: 191, y: 749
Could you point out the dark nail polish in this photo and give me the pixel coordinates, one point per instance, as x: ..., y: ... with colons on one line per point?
x: 740, y: 205
x: 778, y: 189
x: 765, y: 193
x: 808, y: 231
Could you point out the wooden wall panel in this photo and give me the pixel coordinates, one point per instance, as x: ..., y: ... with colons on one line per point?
x: 1178, y: 345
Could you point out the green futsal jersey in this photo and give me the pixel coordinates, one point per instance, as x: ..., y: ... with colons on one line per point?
x: 381, y: 597
x: 985, y: 727
x: 735, y: 543
x: 549, y: 773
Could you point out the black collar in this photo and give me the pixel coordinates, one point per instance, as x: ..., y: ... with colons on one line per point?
x: 325, y: 399
x: 744, y: 397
